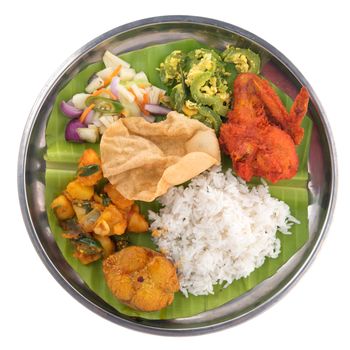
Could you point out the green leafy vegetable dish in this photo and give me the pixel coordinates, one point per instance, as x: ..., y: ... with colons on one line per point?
x: 176, y: 177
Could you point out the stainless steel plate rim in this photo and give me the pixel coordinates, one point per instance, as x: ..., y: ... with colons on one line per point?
x: 22, y: 159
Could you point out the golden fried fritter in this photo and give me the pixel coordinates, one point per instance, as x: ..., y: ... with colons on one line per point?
x: 141, y: 278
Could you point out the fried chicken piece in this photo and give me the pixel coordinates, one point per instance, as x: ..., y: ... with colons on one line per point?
x: 291, y: 122
x: 141, y: 278
x: 260, y: 136
x: 269, y: 152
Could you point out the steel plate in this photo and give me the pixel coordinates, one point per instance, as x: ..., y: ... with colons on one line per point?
x: 31, y: 172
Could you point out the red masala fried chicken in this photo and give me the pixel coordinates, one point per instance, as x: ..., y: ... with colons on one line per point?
x: 260, y: 135
x: 291, y: 122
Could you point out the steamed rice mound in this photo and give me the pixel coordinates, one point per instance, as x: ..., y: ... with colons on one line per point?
x: 217, y: 230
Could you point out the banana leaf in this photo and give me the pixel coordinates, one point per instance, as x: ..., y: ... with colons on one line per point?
x: 61, y: 160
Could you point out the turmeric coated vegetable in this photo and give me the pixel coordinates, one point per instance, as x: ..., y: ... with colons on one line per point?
x: 111, y: 222
x: 135, y: 208
x: 137, y: 223
x: 62, y: 207
x: 86, y: 259
x: 81, y: 208
x: 89, y: 168
x: 89, y: 221
x: 90, y: 212
x: 117, y: 199
x: 107, y: 245
x: 141, y: 278
x: 75, y: 190
x: 87, y: 250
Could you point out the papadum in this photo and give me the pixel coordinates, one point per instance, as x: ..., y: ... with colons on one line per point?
x: 143, y: 160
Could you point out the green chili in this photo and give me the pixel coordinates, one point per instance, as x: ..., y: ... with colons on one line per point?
x: 104, y: 105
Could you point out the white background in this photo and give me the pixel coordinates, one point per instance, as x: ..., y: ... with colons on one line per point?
x: 36, y: 37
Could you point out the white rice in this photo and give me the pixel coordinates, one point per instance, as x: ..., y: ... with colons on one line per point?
x: 216, y: 230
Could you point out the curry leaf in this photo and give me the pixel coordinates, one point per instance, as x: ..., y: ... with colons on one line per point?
x: 106, y: 201
x: 88, y: 170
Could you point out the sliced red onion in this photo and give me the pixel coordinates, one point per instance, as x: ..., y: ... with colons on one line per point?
x: 71, y: 133
x: 157, y: 109
x: 69, y: 110
x: 89, y: 118
x: 114, y: 86
x: 150, y: 118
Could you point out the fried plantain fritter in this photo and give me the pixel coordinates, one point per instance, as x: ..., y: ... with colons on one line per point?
x: 141, y: 278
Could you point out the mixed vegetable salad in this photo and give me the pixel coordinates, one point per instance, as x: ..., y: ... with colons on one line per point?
x: 199, y: 85
x: 118, y: 90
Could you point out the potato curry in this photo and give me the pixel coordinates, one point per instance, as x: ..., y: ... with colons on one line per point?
x: 93, y: 214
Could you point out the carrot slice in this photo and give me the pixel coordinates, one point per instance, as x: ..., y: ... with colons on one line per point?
x: 132, y: 91
x: 145, y: 100
x: 100, y: 91
x: 141, y: 105
x: 109, y: 79
x: 86, y: 112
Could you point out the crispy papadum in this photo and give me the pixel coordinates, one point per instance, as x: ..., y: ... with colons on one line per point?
x: 143, y: 160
